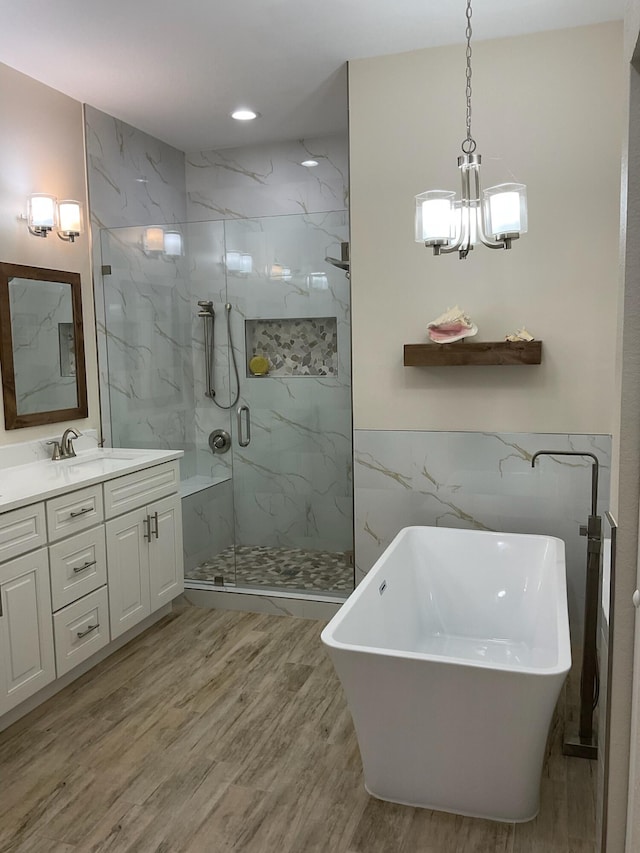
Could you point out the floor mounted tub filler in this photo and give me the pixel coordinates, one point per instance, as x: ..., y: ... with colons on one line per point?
x: 452, y: 653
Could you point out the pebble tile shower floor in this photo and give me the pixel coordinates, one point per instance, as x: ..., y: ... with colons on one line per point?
x: 289, y: 568
x: 217, y: 731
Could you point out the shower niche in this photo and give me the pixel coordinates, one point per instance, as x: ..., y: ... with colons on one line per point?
x: 292, y: 347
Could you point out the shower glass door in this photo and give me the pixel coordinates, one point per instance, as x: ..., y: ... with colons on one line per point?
x: 292, y: 456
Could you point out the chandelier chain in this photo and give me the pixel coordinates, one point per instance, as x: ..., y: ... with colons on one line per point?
x: 469, y: 144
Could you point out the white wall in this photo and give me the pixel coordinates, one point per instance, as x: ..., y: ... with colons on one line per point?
x: 547, y: 110
x: 42, y: 150
x: 626, y: 471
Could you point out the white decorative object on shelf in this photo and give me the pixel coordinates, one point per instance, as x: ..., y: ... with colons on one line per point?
x: 519, y: 335
x: 453, y: 325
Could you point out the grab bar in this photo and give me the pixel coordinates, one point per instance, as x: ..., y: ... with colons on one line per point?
x: 241, y: 440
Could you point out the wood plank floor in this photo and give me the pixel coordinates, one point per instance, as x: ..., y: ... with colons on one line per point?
x: 219, y: 731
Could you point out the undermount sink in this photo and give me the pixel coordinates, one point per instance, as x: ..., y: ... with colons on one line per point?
x: 106, y: 455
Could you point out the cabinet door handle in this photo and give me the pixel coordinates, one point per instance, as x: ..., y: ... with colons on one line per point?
x: 83, y: 511
x: 90, y: 628
x: 77, y: 569
x: 147, y: 528
x: 155, y: 529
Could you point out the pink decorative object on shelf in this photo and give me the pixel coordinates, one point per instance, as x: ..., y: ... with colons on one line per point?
x: 453, y: 325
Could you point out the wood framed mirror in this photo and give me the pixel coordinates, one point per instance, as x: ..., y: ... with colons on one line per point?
x: 41, y: 346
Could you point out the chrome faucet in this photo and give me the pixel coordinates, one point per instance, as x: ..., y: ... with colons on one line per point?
x: 63, y: 449
x: 66, y: 445
x: 595, y: 470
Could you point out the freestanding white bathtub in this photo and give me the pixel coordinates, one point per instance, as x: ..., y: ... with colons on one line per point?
x: 452, y: 653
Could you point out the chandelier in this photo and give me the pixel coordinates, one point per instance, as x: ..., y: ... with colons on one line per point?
x: 494, y: 217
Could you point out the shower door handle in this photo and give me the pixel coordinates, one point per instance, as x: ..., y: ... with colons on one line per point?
x: 242, y: 440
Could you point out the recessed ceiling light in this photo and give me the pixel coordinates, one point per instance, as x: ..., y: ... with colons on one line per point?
x: 309, y: 163
x: 244, y: 115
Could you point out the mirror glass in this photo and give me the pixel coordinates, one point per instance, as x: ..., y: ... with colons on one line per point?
x: 44, y: 362
x: 41, y: 346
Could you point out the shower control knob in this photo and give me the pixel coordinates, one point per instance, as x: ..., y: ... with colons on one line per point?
x: 219, y: 441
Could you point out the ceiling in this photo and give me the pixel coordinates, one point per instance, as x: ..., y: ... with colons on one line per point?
x: 177, y: 69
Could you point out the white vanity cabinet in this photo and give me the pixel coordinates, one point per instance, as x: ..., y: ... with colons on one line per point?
x: 26, y: 632
x: 83, y: 564
x: 144, y: 547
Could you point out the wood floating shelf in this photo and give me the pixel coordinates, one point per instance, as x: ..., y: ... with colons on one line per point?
x: 480, y: 353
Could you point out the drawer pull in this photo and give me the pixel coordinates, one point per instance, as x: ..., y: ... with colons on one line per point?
x: 155, y: 529
x: 77, y: 569
x: 146, y: 525
x: 90, y: 628
x: 83, y: 511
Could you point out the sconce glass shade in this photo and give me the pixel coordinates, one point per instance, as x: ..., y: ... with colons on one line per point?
x: 172, y: 244
x: 505, y: 209
x: 434, y: 219
x: 69, y: 219
x: 41, y: 213
x: 153, y: 240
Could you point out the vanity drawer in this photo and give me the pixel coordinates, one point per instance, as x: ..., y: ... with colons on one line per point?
x: 22, y: 530
x: 74, y: 512
x: 78, y: 566
x: 140, y: 488
x: 81, y: 629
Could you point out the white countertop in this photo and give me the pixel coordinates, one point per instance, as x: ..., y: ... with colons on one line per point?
x: 36, y: 481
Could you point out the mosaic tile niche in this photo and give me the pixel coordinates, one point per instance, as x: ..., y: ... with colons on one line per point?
x: 297, y: 346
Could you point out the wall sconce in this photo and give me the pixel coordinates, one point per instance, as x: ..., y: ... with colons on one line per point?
x: 41, y: 214
x: 69, y: 220
x: 45, y: 213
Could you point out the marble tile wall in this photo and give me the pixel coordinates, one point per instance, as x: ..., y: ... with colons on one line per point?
x: 207, y: 518
x: 268, y: 180
x: 477, y: 480
x: 133, y: 179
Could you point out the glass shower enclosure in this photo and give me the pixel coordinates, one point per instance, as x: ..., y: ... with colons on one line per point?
x: 230, y: 340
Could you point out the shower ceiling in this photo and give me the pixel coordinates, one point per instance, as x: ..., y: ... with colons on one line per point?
x: 176, y: 70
